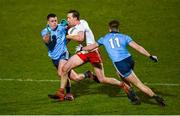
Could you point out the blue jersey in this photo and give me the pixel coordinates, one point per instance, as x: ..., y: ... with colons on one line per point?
x: 115, y: 44
x: 60, y: 46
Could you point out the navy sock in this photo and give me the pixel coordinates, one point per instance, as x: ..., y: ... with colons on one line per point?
x: 68, y: 89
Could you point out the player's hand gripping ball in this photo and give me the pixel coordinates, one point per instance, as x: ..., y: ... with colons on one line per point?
x: 73, y: 31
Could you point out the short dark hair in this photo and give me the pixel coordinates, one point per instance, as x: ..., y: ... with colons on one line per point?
x: 75, y: 13
x: 114, y: 25
x: 50, y: 15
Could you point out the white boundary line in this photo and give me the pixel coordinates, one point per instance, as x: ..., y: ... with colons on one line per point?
x: 163, y: 84
x: 32, y: 80
x: 28, y: 80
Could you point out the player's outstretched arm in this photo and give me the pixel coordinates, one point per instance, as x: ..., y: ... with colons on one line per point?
x: 90, y: 47
x: 141, y: 50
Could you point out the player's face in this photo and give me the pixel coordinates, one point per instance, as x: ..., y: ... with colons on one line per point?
x: 53, y: 22
x: 71, y: 20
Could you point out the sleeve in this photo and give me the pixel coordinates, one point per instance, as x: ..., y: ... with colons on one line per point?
x: 81, y: 28
x: 128, y: 39
x: 43, y: 32
x: 100, y: 41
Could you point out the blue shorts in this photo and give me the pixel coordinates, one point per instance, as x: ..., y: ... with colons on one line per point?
x: 64, y: 56
x: 124, y: 67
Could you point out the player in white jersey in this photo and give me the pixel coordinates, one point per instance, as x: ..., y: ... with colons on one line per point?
x: 85, y: 37
x: 84, y: 27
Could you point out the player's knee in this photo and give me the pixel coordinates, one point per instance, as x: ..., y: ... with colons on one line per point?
x: 64, y: 69
x: 59, y: 73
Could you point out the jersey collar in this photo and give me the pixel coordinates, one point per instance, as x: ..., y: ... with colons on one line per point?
x: 55, y: 28
x: 114, y: 32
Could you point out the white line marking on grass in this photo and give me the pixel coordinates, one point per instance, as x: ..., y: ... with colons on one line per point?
x: 163, y: 84
x: 28, y: 80
x: 32, y: 80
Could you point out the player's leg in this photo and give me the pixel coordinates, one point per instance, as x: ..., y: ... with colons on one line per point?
x: 65, y: 82
x: 80, y: 58
x: 60, y: 93
x: 132, y: 78
x: 73, y: 62
x: 76, y: 77
x: 68, y: 95
x: 63, y: 71
x: 109, y: 80
x: 58, y: 64
x: 124, y: 68
x: 95, y: 60
x: 99, y: 71
x: 128, y: 83
x: 91, y: 76
x: 73, y: 76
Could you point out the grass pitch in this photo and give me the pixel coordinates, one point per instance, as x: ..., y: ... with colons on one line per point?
x: 151, y: 23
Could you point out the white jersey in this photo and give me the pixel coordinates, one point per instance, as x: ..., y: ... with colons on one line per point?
x: 89, y: 37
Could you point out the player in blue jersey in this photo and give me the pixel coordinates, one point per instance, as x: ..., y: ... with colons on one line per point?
x: 54, y: 36
x: 115, y: 44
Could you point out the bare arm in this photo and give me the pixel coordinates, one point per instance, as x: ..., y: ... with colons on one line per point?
x: 90, y: 47
x: 79, y: 37
x: 139, y: 48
